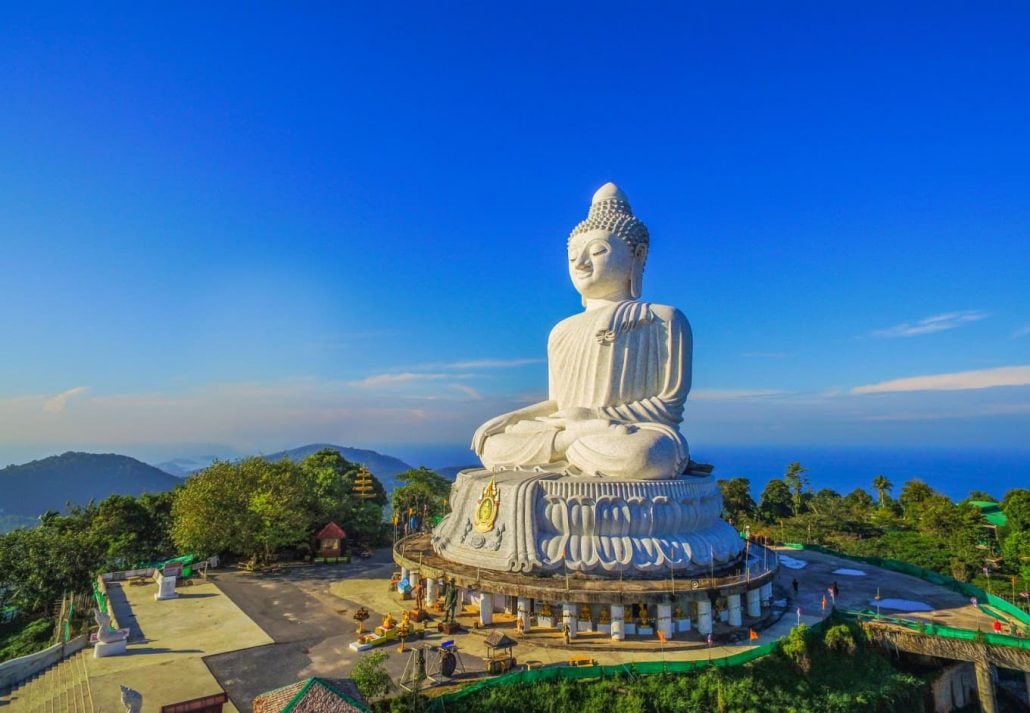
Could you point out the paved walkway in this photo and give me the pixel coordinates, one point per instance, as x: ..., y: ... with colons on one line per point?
x: 859, y: 591
x: 167, y: 666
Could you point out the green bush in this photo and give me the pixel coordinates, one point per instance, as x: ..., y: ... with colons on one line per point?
x: 21, y: 638
x: 836, y: 681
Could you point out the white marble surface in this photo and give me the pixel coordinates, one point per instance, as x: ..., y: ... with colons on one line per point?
x: 547, y: 522
x: 619, y: 372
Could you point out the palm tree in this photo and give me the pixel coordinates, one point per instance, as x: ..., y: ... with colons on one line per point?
x: 882, y: 486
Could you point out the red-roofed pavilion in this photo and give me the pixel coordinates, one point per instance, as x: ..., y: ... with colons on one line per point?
x: 330, y: 540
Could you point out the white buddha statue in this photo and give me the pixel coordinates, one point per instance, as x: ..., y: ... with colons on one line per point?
x: 619, y: 375
x: 619, y: 371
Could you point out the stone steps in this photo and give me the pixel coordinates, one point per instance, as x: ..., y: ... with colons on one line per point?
x: 62, y: 688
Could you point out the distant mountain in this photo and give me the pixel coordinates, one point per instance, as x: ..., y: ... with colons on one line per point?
x: 384, y: 467
x: 451, y: 471
x: 181, y: 467
x: 29, y: 490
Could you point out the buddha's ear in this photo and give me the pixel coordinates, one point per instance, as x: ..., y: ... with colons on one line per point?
x: 636, y: 275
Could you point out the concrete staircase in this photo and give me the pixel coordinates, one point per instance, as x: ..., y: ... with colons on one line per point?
x: 62, y: 688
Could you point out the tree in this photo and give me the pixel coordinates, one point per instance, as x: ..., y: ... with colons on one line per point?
x: 423, y: 492
x: 858, y: 500
x: 825, y: 501
x: 882, y: 486
x: 796, y: 482
x: 248, y: 508
x: 913, y: 494
x: 210, y: 514
x: 775, y: 502
x: 277, y: 503
x: 370, y: 676
x: 1016, y: 506
x: 1016, y: 551
x: 737, y: 503
x: 981, y: 495
x: 130, y: 530
x: 330, y: 480
x: 324, y: 473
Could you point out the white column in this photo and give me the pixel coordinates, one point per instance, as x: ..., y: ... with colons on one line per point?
x: 767, y: 594
x: 486, y: 608
x: 618, y: 630
x: 523, y: 613
x: 704, y: 617
x: 665, y: 620
x: 734, y: 606
x: 432, y: 590
x: 569, y: 618
x: 754, y: 603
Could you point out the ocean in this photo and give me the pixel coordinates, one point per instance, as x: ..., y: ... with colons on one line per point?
x: 953, y: 472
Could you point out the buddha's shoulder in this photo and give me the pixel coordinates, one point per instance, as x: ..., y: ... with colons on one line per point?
x: 667, y: 313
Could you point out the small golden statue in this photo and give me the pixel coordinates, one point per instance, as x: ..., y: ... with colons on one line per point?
x: 677, y: 613
x: 644, y: 620
x: 545, y: 610
x: 604, y: 617
x: 627, y: 614
x: 585, y: 614
x: 388, y: 622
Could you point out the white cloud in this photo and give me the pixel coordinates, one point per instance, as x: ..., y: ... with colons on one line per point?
x: 467, y: 390
x: 407, y: 377
x: 56, y: 404
x: 1023, y: 331
x: 958, y: 381
x: 935, y: 323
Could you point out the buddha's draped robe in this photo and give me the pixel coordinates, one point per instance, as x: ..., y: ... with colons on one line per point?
x: 630, y: 362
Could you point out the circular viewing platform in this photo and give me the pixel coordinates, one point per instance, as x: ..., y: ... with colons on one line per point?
x: 415, y: 554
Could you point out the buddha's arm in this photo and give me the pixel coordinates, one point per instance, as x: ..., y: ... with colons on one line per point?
x: 667, y: 405
x: 499, y: 423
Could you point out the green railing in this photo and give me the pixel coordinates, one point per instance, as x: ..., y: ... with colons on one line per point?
x: 452, y: 701
x: 930, y: 576
x: 931, y: 629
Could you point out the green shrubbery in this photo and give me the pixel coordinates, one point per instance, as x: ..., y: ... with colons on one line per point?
x: 921, y: 527
x: 21, y: 638
x: 811, y: 672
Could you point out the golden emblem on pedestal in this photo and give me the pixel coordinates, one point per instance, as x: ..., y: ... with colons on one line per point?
x: 486, y: 508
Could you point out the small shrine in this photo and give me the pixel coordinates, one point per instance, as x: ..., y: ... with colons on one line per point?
x: 330, y: 541
x: 499, y: 658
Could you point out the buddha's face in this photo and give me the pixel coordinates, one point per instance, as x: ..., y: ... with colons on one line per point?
x: 600, y: 265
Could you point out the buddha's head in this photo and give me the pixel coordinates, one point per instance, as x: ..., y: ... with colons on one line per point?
x: 607, y: 251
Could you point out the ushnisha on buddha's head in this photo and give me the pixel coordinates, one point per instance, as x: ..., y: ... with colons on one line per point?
x: 607, y: 251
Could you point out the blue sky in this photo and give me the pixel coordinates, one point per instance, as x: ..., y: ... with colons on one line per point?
x: 249, y: 227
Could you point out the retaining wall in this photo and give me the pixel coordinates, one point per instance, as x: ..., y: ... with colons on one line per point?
x: 17, y: 670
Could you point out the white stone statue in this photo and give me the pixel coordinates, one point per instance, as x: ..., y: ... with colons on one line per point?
x: 106, y: 633
x: 619, y: 371
x: 597, y: 478
x: 131, y: 699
